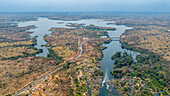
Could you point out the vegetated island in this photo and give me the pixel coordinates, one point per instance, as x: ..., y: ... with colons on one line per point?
x: 149, y: 75
x: 92, y: 27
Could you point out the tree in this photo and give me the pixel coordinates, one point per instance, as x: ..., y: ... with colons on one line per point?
x: 117, y: 55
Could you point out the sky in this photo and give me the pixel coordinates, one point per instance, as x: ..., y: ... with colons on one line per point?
x: 84, y: 5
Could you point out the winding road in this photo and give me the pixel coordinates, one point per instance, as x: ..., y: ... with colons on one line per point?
x: 81, y: 50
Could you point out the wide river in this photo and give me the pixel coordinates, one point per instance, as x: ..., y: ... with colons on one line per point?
x: 44, y: 24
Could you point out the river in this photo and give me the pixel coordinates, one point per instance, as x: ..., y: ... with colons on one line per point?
x: 44, y: 24
x: 107, y: 63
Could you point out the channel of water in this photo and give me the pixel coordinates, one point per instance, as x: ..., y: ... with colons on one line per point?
x: 44, y: 24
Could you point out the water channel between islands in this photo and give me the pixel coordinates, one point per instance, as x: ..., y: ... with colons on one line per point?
x: 44, y: 24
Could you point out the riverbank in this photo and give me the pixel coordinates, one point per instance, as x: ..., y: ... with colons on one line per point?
x: 90, y: 57
x: 107, y: 63
x: 142, y: 72
x: 150, y: 72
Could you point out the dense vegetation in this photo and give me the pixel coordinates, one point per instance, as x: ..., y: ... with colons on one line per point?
x: 148, y: 73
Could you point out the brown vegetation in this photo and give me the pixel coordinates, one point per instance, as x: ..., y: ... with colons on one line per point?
x: 151, y: 34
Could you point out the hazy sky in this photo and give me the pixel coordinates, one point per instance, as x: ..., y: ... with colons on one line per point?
x: 84, y: 5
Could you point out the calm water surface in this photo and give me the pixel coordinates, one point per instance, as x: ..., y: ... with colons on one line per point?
x: 44, y: 24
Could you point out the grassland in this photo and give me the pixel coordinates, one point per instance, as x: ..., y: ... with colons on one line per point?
x: 18, y: 64
x: 149, y: 33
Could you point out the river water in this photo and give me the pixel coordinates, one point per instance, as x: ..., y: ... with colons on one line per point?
x: 107, y: 63
x: 44, y: 24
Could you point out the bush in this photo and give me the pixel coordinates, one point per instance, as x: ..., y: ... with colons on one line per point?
x: 9, y: 95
